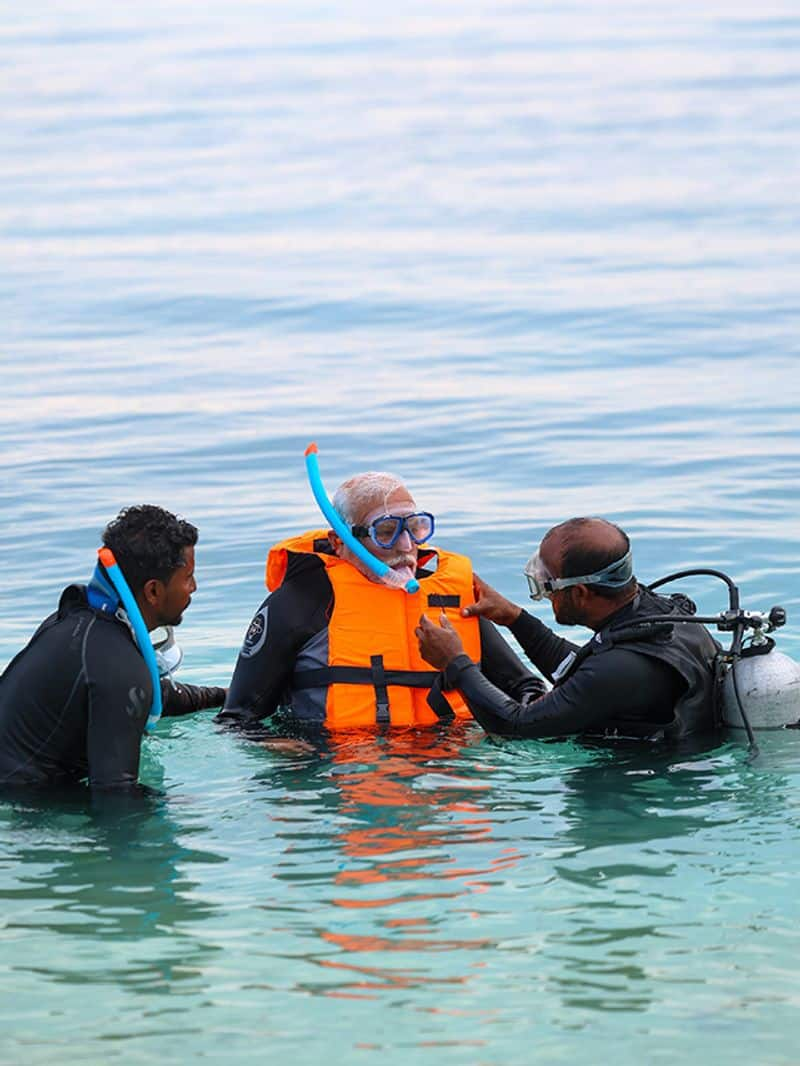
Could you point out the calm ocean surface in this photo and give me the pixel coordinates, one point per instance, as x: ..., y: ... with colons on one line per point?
x: 540, y: 260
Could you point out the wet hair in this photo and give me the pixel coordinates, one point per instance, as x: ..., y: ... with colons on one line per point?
x: 354, y: 496
x: 581, y: 553
x: 148, y: 542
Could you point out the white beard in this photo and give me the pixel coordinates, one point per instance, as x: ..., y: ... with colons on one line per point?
x: 401, y: 573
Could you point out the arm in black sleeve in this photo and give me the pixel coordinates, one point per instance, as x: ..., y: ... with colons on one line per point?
x: 618, y: 685
x: 284, y: 622
x: 544, y: 649
x: 119, y: 694
x: 179, y: 699
x: 503, y: 667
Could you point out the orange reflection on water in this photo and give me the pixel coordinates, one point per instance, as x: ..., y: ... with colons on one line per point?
x: 412, y: 813
x: 351, y: 942
x: 370, y: 979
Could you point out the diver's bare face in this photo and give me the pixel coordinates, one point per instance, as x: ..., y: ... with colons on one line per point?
x: 402, y: 556
x: 177, y: 592
x: 562, y: 600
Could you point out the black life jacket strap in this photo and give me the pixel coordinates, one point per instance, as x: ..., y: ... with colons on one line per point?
x: 381, y: 692
x: 378, y: 677
x: 361, y: 675
x: 439, y: 703
x: 436, y: 599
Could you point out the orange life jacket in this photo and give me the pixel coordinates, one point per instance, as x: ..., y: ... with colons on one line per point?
x: 375, y: 672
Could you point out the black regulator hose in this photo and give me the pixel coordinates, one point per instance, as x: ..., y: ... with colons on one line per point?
x: 736, y: 624
x: 735, y: 654
x: 733, y: 592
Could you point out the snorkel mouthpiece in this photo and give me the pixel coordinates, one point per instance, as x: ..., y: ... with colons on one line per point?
x: 117, y: 579
x: 383, y: 572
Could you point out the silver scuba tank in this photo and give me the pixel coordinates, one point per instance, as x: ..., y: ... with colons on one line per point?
x: 768, y: 684
x: 760, y: 686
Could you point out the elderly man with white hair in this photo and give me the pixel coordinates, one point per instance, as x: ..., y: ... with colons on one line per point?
x: 334, y: 646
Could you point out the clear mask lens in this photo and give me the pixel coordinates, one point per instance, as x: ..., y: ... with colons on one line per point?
x: 420, y: 526
x: 538, y: 577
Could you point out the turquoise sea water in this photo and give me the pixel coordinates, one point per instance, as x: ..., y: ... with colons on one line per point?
x: 541, y: 260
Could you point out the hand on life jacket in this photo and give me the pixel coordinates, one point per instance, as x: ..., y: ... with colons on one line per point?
x: 438, y: 645
x: 491, y: 605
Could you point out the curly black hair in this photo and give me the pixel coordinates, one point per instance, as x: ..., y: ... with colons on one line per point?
x: 148, y: 542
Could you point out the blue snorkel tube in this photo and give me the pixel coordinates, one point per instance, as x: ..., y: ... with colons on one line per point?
x: 139, y: 631
x: 340, y: 528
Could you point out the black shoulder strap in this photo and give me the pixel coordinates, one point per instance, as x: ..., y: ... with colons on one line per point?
x: 604, y: 640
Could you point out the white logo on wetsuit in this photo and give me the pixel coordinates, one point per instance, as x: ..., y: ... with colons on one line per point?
x: 255, y: 635
x: 564, y: 666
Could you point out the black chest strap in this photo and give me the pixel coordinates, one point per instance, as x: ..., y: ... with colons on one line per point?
x: 362, y: 675
x: 378, y: 677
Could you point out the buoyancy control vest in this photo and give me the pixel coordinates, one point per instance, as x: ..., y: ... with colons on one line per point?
x: 688, y: 648
x: 374, y: 671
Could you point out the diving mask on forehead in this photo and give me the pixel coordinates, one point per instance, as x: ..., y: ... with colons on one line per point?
x: 542, y: 583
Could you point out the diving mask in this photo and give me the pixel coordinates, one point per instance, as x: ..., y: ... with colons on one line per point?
x: 386, y: 530
x: 542, y: 584
x: 169, y: 654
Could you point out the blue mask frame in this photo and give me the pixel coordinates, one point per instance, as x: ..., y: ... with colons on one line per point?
x: 402, y: 524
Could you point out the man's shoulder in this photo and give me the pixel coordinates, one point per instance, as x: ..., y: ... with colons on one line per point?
x: 306, y: 575
x: 72, y: 609
x: 77, y: 627
x: 306, y: 582
x: 72, y: 598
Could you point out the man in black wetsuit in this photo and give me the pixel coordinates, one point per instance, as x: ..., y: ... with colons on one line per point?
x: 628, y: 681
x: 74, y: 702
x: 330, y: 638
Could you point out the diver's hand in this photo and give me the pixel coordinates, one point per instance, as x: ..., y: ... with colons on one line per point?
x: 289, y: 745
x: 490, y: 604
x: 438, y: 645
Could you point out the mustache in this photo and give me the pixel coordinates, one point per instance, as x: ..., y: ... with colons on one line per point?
x: 402, y: 559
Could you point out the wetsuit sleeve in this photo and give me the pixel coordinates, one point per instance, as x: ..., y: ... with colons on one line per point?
x: 119, y: 692
x: 502, y: 666
x: 284, y: 622
x: 544, y: 649
x: 620, y: 685
x: 179, y: 699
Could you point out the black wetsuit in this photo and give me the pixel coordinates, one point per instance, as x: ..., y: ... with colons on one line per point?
x: 657, y: 683
x: 291, y: 625
x: 74, y: 702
